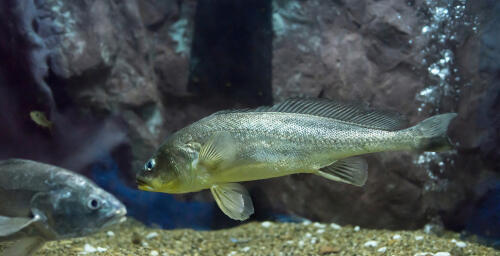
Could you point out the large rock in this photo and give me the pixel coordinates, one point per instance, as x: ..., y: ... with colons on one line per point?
x: 387, y: 55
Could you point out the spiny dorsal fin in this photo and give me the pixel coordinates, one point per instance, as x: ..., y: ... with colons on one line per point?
x: 332, y: 109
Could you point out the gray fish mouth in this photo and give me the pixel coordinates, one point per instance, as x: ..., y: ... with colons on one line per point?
x: 141, y: 182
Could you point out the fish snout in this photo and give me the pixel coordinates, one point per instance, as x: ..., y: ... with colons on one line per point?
x: 143, y: 184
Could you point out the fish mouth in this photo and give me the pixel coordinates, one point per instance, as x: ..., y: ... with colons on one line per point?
x: 143, y: 184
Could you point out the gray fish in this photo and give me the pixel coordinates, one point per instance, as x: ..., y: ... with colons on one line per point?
x: 317, y: 136
x: 41, y: 202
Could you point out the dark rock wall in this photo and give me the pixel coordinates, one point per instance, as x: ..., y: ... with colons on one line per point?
x: 147, y: 68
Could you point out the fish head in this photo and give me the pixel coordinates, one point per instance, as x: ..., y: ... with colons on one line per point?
x: 79, y: 210
x: 170, y: 169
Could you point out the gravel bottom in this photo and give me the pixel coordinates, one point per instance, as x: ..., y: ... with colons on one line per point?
x: 264, y: 238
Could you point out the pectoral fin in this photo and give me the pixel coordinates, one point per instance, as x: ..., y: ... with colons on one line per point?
x: 217, y: 149
x: 353, y: 170
x: 11, y: 225
x: 233, y: 199
x: 24, y: 247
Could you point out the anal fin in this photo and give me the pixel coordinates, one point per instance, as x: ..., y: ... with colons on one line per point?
x: 352, y: 170
x: 233, y: 199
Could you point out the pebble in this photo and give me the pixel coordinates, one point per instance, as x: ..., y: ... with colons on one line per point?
x: 320, y: 231
x: 246, y: 248
x: 459, y: 243
x: 356, y: 228
x: 335, y: 226
x: 396, y: 237
x: 319, y: 225
x: 371, y: 243
x: 442, y: 254
x: 87, y: 248
x: 382, y: 249
x: 326, y: 249
x: 266, y: 224
x: 423, y: 254
x: 154, y: 253
x: 301, y: 243
x: 418, y: 238
x: 110, y: 233
x: 151, y: 235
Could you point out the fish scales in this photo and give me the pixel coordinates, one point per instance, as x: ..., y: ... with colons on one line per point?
x: 282, y: 133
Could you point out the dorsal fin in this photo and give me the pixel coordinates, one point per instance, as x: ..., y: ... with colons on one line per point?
x: 332, y: 109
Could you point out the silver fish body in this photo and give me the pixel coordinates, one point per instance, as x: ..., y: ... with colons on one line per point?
x: 291, y: 143
x: 41, y: 202
x: 316, y: 136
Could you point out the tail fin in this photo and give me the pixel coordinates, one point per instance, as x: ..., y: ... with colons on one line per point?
x: 433, y: 132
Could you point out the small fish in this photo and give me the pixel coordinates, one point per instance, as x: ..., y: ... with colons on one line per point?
x: 317, y: 136
x: 40, y: 119
x: 41, y: 202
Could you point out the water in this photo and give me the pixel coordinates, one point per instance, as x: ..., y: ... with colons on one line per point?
x: 115, y: 79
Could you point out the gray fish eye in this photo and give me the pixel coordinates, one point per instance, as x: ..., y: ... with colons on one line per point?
x: 94, y: 203
x: 150, y: 165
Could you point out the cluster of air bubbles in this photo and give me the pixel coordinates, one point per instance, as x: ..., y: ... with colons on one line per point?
x: 446, y: 25
x: 434, y: 165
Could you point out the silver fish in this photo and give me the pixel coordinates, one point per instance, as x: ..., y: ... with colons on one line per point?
x: 41, y: 202
x: 317, y: 136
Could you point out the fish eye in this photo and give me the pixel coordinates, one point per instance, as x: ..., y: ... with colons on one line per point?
x: 150, y: 165
x: 94, y: 204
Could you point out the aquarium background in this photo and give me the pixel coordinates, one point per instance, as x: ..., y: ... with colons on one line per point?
x: 117, y: 77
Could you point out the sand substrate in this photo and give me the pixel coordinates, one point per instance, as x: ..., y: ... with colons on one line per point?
x: 264, y: 238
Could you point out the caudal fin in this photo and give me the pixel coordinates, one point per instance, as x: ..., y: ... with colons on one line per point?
x: 433, y: 131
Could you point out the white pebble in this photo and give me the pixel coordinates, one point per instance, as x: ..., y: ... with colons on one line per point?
x: 246, y: 248
x: 382, y: 249
x: 306, y: 222
x: 396, y: 237
x: 154, y: 253
x: 87, y: 248
x: 308, y: 235
x: 313, y: 240
x: 145, y: 244
x: 423, y: 253
x: 356, y: 228
x: 319, y: 225
x: 110, y: 233
x: 266, y: 224
x: 459, y: 243
x: 371, y: 243
x: 418, y: 238
x: 335, y: 226
x: 442, y: 254
x: 151, y: 235
x: 289, y: 242
x: 301, y: 243
x: 320, y: 231
x: 231, y: 253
